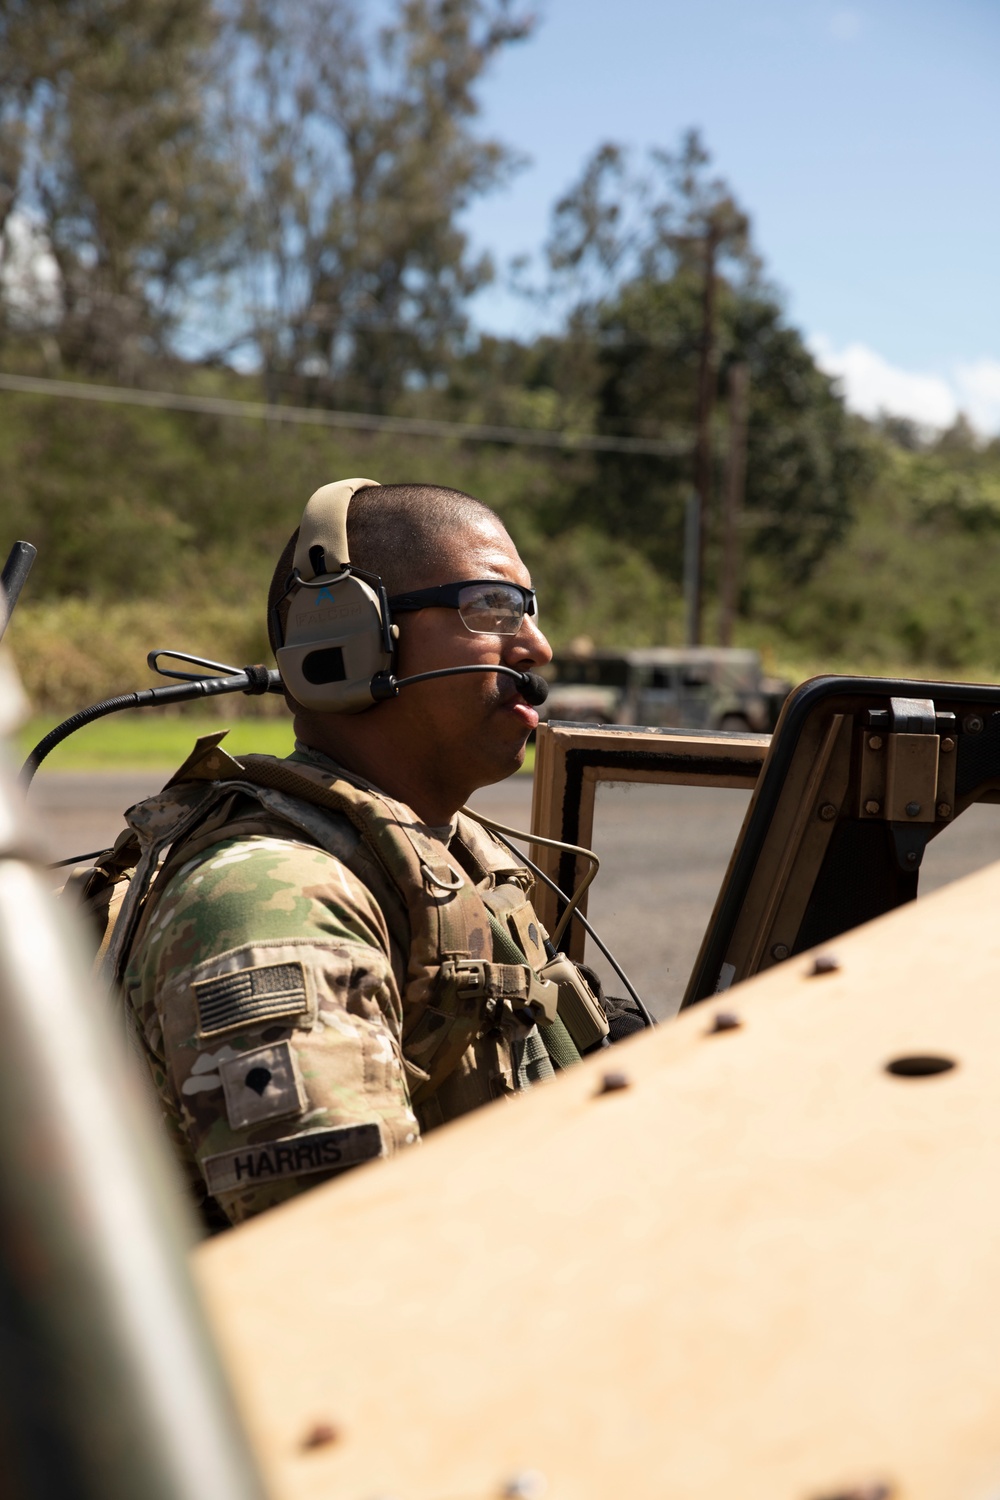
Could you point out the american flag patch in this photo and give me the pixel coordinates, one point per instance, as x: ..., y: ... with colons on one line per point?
x: 250, y: 997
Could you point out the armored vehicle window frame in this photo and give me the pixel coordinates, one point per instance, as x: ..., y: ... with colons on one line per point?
x: 858, y: 777
x: 571, y: 761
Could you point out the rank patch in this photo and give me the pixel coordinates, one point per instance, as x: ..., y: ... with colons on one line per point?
x: 292, y: 1156
x: 261, y: 1085
x: 250, y: 997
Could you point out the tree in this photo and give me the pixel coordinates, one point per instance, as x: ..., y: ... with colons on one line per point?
x: 670, y: 219
x: 669, y: 287
x: 620, y: 225
x: 105, y: 144
x: 358, y: 155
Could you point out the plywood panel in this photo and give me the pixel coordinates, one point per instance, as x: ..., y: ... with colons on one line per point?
x: 766, y: 1268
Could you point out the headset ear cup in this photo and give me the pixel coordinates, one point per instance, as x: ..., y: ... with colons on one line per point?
x: 334, y: 645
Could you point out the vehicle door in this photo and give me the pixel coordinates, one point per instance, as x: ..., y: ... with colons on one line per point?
x: 859, y: 779
x: 695, y: 694
x: 657, y: 702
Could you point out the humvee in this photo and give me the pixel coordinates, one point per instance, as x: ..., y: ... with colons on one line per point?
x: 752, y: 1252
x: 695, y: 687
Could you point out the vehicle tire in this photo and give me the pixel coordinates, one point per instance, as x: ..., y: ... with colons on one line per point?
x: 736, y: 723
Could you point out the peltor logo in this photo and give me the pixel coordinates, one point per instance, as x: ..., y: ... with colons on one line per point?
x: 317, y: 616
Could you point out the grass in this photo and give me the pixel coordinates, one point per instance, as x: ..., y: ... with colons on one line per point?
x: 147, y: 740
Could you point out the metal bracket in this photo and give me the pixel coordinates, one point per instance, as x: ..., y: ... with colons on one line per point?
x: 907, y: 773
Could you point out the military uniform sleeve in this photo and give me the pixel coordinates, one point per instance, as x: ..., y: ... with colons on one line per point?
x: 264, y: 997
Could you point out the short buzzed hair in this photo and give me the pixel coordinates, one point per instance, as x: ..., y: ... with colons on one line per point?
x: 394, y: 530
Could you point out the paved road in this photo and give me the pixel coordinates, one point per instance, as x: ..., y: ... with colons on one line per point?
x: 664, y: 851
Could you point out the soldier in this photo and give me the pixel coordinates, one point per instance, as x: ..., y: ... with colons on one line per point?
x: 322, y: 957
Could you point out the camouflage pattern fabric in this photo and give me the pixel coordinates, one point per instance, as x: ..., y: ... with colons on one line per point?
x: 265, y: 999
x: 265, y: 988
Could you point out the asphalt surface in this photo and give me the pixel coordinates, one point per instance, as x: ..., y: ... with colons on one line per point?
x: 664, y: 851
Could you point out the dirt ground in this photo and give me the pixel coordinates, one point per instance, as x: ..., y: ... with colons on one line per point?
x: 664, y: 851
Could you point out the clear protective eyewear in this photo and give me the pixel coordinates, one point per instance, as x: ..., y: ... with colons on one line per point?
x: 486, y: 606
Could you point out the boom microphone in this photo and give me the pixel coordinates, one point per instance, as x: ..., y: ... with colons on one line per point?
x: 533, y: 688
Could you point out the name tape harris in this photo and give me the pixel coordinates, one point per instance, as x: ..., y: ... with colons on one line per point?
x: 292, y: 1156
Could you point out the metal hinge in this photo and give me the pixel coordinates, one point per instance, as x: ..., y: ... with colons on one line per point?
x: 907, y: 772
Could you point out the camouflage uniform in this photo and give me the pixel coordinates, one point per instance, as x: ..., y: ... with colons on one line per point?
x: 268, y: 978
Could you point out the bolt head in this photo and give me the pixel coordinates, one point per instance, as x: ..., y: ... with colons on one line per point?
x: 828, y: 812
x: 913, y: 809
x: 724, y: 1020
x: 779, y: 951
x: 911, y: 856
x: 944, y: 809
x: 972, y: 724
x: 875, y: 742
x: 872, y: 807
x: 320, y: 1435
x: 530, y: 1484
x: 869, y: 1490
x: 947, y: 745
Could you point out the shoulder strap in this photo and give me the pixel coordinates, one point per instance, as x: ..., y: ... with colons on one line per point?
x: 447, y: 915
x: 456, y: 986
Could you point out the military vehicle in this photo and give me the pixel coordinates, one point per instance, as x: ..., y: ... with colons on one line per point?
x: 695, y: 687
x: 752, y: 1252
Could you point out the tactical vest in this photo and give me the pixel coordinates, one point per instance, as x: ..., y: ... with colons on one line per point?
x: 465, y: 973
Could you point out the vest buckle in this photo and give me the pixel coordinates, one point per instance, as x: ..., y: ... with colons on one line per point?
x: 469, y: 975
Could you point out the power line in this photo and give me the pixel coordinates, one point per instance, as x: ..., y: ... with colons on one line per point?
x: 309, y: 416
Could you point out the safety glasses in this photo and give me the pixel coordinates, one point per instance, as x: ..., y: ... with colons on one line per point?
x: 489, y: 606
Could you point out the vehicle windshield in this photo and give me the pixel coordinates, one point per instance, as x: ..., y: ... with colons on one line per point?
x: 574, y: 672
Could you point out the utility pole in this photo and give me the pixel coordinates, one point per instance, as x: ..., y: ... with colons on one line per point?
x: 736, y: 469
x: 692, y: 582
x: 703, y: 442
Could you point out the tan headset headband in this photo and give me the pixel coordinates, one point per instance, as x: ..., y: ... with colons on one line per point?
x: 324, y: 524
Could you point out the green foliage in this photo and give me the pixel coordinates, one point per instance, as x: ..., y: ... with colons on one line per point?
x: 643, y: 242
x: 104, y: 127
x: 359, y: 157
x: 310, y: 167
x: 161, y: 529
x: 914, y: 581
x: 619, y: 223
x: 808, y: 462
x: 298, y: 166
x: 595, y: 586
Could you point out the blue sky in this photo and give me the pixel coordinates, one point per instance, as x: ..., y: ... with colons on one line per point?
x: 864, y: 139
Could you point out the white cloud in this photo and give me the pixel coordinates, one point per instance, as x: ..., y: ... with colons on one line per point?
x: 978, y: 386
x: 845, y: 25
x: 872, y: 385
x: 28, y: 272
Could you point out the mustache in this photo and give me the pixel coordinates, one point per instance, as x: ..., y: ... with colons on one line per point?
x: 507, y: 690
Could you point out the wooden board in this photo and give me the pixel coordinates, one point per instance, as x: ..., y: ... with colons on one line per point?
x: 767, y: 1268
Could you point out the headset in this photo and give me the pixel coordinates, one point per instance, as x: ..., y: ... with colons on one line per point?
x: 336, y: 649
x: 363, y: 635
